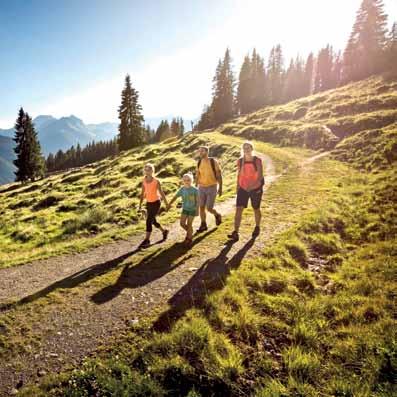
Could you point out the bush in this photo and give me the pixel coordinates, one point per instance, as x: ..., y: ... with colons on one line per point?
x: 89, y: 220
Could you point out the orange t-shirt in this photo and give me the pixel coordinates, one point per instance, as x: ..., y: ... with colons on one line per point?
x: 151, y: 190
x: 249, y: 177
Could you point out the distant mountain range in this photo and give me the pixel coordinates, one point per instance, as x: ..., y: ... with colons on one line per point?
x: 60, y: 134
x: 55, y: 134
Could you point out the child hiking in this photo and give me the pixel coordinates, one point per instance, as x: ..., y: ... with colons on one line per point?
x: 153, y: 193
x: 189, y: 196
x: 250, y: 183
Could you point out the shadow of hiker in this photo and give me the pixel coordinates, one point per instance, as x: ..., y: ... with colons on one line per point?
x: 210, y: 277
x: 151, y: 268
x: 72, y: 281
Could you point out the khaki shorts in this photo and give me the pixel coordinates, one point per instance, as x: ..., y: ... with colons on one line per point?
x: 207, y: 196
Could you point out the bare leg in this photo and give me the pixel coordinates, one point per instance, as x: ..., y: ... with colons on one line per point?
x: 237, y: 218
x: 183, y: 222
x: 203, y: 215
x: 258, y: 216
x: 189, y: 227
x: 148, y: 234
x: 213, y: 211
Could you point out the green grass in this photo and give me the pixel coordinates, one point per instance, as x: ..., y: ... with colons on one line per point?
x: 274, y: 328
x: 86, y: 207
x: 323, y: 120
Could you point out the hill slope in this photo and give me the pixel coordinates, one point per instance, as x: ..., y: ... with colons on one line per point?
x: 307, y: 311
x: 363, y: 110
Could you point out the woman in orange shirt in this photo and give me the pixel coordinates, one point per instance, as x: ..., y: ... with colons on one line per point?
x: 153, y: 193
x: 250, y: 183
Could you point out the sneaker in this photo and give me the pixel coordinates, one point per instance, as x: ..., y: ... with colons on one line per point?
x: 145, y: 243
x: 233, y: 236
x: 256, y: 231
x: 218, y: 219
x: 203, y: 227
x: 165, y: 234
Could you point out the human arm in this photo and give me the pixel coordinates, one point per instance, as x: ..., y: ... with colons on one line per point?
x: 219, y: 178
x: 141, y: 197
x: 160, y: 189
x: 173, y: 200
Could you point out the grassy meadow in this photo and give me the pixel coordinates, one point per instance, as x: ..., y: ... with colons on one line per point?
x: 313, y: 314
x: 97, y: 203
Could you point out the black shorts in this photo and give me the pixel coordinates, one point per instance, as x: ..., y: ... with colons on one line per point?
x: 243, y: 196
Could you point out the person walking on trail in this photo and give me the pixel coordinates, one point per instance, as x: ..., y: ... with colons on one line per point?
x: 153, y: 193
x: 250, y: 182
x: 189, y: 195
x: 209, y: 182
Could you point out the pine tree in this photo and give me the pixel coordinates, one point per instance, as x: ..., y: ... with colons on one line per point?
x: 206, y: 120
x: 244, y: 87
x: 223, y: 91
x: 275, y: 76
x: 258, y: 82
x: 364, y: 52
x: 391, y: 59
x: 308, y: 76
x: 181, y: 127
x: 324, y: 71
x: 30, y: 163
x: 174, y: 128
x: 131, y: 132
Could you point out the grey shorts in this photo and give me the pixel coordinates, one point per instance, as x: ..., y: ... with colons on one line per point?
x: 207, y: 196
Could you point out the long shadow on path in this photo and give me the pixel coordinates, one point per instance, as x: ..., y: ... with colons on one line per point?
x: 73, y: 280
x: 210, y: 277
x: 147, y: 270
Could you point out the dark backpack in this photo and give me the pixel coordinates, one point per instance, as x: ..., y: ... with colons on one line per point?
x: 240, y: 165
x: 212, y: 161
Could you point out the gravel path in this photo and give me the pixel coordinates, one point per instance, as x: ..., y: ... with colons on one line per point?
x: 93, y: 309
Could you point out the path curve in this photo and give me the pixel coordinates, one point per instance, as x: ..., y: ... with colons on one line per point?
x: 24, y: 280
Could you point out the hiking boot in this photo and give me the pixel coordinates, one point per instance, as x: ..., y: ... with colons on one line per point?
x: 165, y: 234
x: 256, y: 231
x: 218, y: 219
x: 203, y: 227
x: 145, y: 243
x: 233, y: 236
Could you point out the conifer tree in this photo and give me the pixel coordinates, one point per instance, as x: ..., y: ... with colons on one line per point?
x: 324, y: 71
x: 223, y: 91
x: 181, y: 127
x: 275, y: 76
x: 364, y: 52
x: 308, y: 76
x: 244, y: 87
x: 391, y: 57
x: 131, y: 132
x: 30, y: 163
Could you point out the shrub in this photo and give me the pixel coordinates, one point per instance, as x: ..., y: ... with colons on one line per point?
x: 89, y: 220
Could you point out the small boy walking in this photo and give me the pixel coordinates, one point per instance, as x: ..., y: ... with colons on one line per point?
x: 153, y: 193
x: 189, y: 195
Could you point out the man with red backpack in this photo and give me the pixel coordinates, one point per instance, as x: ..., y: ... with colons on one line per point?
x: 209, y: 183
x: 250, y: 182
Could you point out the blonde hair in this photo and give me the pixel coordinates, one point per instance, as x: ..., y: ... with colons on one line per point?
x: 246, y: 143
x: 149, y: 165
x: 188, y: 175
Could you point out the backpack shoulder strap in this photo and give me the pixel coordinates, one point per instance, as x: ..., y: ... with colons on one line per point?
x: 212, y: 161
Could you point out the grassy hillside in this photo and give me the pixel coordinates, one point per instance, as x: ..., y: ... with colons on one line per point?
x: 311, y: 314
x: 96, y: 203
x: 322, y: 121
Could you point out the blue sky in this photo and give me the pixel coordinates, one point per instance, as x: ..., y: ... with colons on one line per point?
x: 64, y: 57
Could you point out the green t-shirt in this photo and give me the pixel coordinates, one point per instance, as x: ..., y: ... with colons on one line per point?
x: 189, y: 198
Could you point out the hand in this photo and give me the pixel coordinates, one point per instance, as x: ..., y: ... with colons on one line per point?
x: 220, y: 192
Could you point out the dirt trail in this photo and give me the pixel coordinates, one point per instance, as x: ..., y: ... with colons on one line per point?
x: 94, y: 307
x: 24, y: 280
